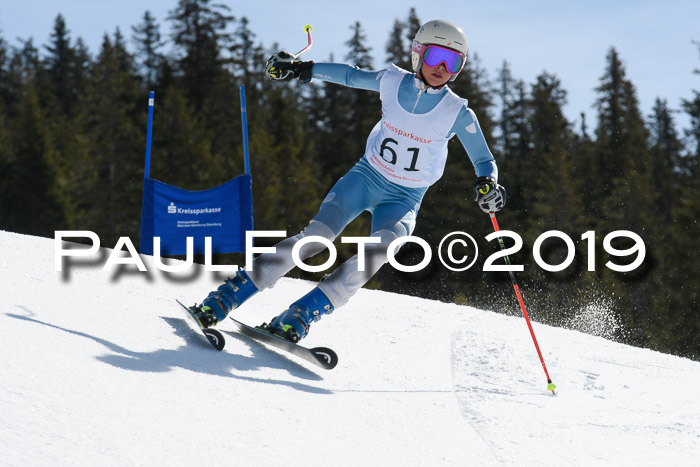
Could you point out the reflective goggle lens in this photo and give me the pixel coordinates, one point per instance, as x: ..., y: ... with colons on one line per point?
x: 434, y: 55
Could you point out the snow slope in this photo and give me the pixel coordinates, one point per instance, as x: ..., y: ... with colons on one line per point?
x: 102, y: 368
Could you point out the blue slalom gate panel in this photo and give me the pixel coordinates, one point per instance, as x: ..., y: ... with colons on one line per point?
x: 223, y: 213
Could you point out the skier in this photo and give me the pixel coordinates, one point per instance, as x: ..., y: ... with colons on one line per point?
x: 405, y: 154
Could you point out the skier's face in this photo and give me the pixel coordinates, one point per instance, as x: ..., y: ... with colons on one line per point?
x: 435, y: 76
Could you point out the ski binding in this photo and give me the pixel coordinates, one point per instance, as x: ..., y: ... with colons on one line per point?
x: 214, y: 337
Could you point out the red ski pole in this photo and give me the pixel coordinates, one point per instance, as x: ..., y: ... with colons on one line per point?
x: 550, y: 385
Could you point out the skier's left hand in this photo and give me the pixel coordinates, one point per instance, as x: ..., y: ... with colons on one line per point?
x: 489, y: 195
x: 282, y: 67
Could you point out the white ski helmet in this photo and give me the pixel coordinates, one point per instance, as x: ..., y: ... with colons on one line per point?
x: 442, y: 33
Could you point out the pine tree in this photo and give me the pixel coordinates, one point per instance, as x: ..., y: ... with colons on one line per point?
x: 623, y: 158
x: 146, y: 37
x: 6, y: 78
x: 28, y: 190
x: 181, y: 150
x: 82, y: 61
x: 666, y: 154
x: 113, y: 173
x: 199, y: 35
x: 247, y: 57
x: 358, y: 51
x: 552, y: 195
x: 512, y: 148
x: 395, y: 48
x: 674, y: 184
x: 26, y: 63
x: 505, y: 91
x: 223, y: 114
x: 625, y: 192
x: 683, y: 320
x: 585, y: 165
x: 692, y: 108
x: 550, y: 158
x: 62, y: 68
x: 65, y: 70
x: 398, y: 47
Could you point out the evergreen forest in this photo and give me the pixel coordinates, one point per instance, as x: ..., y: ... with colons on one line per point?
x: 73, y: 138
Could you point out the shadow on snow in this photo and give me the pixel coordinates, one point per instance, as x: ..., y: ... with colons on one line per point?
x: 196, y: 356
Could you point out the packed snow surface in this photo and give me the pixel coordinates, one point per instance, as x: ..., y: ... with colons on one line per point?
x: 103, y: 368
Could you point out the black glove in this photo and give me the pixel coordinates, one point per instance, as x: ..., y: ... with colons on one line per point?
x: 489, y: 195
x: 282, y: 67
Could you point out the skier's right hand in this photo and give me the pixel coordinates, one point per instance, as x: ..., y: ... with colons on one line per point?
x: 489, y: 195
x: 282, y: 67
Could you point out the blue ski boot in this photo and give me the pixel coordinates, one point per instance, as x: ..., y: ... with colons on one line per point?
x: 293, y: 324
x: 230, y: 295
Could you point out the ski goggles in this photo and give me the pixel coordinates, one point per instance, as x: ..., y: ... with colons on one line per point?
x: 433, y: 55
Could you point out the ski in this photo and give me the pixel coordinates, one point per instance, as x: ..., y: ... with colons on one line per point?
x: 321, y: 356
x: 214, y: 337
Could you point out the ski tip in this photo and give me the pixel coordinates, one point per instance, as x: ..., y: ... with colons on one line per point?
x: 551, y: 387
x: 326, y: 357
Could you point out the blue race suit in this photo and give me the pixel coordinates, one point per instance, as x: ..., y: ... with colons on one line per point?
x: 393, y: 206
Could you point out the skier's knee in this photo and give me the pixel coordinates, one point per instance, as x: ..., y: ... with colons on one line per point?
x: 377, y: 252
x: 314, y: 229
x: 318, y: 228
x: 386, y: 236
